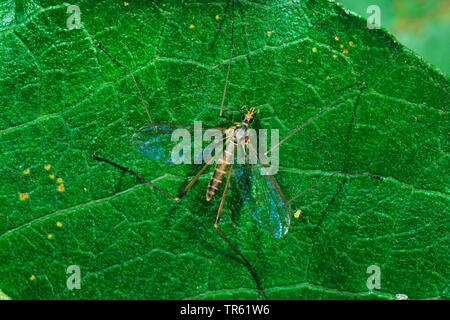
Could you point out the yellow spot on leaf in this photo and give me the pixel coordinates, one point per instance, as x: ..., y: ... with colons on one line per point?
x: 299, y: 60
x: 26, y: 171
x: 85, y: 189
x: 50, y: 236
x: 24, y: 196
x: 61, y: 188
x: 336, y: 38
x: 297, y: 213
x: 350, y: 43
x: 345, y: 51
x: 33, y: 277
x: 342, y: 46
x: 59, y: 180
x: 52, y: 176
x: 126, y: 4
x: 314, y: 49
x: 59, y: 224
x: 269, y: 33
x: 47, y: 167
x: 191, y: 26
x: 335, y: 56
x: 217, y: 17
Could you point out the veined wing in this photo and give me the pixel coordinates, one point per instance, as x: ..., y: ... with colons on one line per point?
x: 157, y: 141
x: 263, y: 198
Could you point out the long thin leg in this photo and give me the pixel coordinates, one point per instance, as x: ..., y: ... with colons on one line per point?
x: 330, y: 176
x: 138, y: 175
x: 187, y: 125
x: 182, y: 193
x: 216, y: 226
x: 300, y: 127
x: 132, y: 76
x: 229, y: 65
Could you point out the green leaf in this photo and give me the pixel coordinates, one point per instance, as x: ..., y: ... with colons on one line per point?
x: 63, y: 100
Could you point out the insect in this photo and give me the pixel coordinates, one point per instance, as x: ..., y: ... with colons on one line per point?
x: 262, y: 195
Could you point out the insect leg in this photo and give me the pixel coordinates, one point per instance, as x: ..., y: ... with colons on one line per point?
x: 216, y: 226
x: 135, y: 174
x: 138, y: 175
x: 330, y: 176
x: 132, y: 76
x: 229, y: 66
x: 300, y: 127
x: 194, y: 180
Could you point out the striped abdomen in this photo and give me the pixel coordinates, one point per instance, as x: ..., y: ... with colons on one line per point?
x: 220, y: 171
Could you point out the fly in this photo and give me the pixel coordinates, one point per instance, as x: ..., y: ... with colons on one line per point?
x: 236, y: 136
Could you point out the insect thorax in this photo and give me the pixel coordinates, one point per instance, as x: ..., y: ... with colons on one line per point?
x: 237, y: 134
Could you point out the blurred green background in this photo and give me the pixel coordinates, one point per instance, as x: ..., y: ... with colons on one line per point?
x: 421, y: 25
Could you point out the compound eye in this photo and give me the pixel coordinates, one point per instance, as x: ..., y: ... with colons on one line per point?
x: 243, y: 117
x: 251, y: 120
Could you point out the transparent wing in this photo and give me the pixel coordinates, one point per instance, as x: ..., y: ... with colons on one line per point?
x: 263, y: 198
x: 157, y: 140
